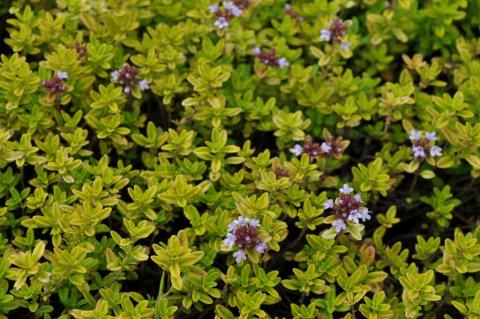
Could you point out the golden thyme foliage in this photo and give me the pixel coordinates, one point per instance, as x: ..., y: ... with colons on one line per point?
x: 239, y: 159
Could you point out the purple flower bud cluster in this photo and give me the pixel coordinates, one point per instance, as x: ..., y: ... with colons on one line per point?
x: 330, y: 148
x: 56, y: 84
x: 347, y: 208
x: 229, y: 10
x: 127, y: 76
x: 243, y: 233
x: 423, y: 147
x: 269, y: 58
x: 335, y: 33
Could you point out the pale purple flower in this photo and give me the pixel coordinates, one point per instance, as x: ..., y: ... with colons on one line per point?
x: 435, y: 151
x: 423, y: 147
x: 230, y: 6
x: 213, y: 8
x: 239, y: 221
x: 243, y: 234
x: 62, y: 75
x: 253, y: 222
x: 283, y: 63
x: 229, y: 241
x: 345, y: 46
x: 431, y: 136
x: 325, y: 147
x: 418, y: 152
x: 339, y: 225
x: 260, y: 248
x: 346, y: 189
x: 127, y: 77
x: 257, y: 50
x: 415, y: 135
x: 358, y: 198
x: 297, y: 150
x: 232, y: 226
x: 359, y: 214
x: 287, y: 7
x: 115, y: 75
x: 239, y: 256
x: 354, y: 216
x: 221, y: 23
x: 325, y: 35
x: 347, y: 209
x: 364, y: 214
x: 328, y: 204
x: 144, y: 85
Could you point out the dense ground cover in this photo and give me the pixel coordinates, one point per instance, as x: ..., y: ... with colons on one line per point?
x: 239, y: 159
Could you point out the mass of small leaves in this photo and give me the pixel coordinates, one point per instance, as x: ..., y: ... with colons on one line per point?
x: 311, y: 159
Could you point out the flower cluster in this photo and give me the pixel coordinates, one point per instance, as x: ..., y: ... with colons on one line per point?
x: 56, y: 84
x: 243, y: 233
x: 330, y: 148
x: 424, y: 146
x: 230, y: 10
x: 292, y: 14
x: 336, y: 32
x: 269, y: 58
x: 347, y: 208
x: 127, y: 76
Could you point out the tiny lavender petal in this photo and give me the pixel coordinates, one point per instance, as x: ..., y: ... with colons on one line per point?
x: 62, y: 75
x: 328, y: 204
x: 339, y: 225
x: 435, y: 151
x: 345, y: 46
x: 346, y: 189
x: 260, y: 248
x: 418, y: 152
x: 325, y: 147
x: 115, y: 75
x: 221, y: 23
x: 283, y: 63
x: 144, y: 85
x: 297, y: 150
x: 415, y: 135
x: 234, y: 10
x: 354, y: 216
x: 358, y: 198
x: 239, y: 256
x: 431, y: 136
x: 229, y: 241
x: 364, y: 214
x: 213, y: 8
x: 325, y: 35
x: 254, y: 222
